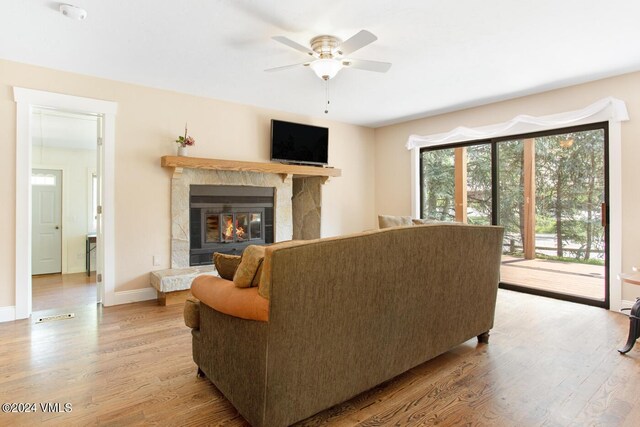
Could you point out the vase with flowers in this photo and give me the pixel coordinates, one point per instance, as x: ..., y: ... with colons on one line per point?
x: 184, y: 142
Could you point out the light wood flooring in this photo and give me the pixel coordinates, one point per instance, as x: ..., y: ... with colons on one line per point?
x: 569, y: 278
x: 54, y: 291
x: 548, y: 363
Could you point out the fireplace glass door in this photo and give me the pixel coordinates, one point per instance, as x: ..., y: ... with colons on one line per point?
x: 229, y: 227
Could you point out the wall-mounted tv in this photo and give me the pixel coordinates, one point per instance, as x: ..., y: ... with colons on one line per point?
x: 298, y: 143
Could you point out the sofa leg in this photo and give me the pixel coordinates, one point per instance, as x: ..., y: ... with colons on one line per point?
x: 200, y: 373
x: 483, y: 338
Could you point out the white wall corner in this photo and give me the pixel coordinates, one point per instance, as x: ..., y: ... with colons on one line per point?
x: 7, y: 314
x: 135, y: 295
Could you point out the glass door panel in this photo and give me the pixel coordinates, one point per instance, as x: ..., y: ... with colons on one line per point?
x: 456, y: 184
x: 551, y: 190
x: 478, y: 179
x: 438, y: 184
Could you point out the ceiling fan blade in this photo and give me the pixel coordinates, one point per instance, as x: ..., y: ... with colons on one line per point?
x: 356, y: 42
x: 284, y: 67
x: 362, y: 64
x: 291, y: 43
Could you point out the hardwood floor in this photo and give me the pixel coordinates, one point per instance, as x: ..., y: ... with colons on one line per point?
x: 54, y: 291
x: 583, y: 280
x: 549, y: 363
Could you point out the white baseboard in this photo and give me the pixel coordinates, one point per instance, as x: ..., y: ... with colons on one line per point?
x: 7, y: 314
x: 136, y: 295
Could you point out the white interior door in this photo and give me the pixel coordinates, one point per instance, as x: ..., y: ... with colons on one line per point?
x: 99, y: 221
x: 46, y: 244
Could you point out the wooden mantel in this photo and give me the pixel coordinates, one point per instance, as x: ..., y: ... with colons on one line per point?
x: 178, y: 163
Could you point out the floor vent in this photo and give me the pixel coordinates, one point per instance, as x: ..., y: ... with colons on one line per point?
x: 55, y: 317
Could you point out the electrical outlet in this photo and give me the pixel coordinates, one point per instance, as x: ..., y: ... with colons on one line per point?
x: 156, y: 261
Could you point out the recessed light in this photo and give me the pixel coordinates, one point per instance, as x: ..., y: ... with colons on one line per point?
x: 73, y: 12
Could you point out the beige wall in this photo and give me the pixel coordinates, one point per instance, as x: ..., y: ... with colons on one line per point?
x: 393, y: 176
x: 147, y: 122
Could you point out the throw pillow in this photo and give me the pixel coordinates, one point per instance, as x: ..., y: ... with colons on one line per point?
x: 192, y: 313
x: 420, y: 221
x: 250, y: 263
x: 226, y: 265
x: 385, y: 221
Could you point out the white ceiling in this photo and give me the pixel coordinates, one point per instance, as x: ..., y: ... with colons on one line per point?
x: 446, y: 55
x: 61, y: 129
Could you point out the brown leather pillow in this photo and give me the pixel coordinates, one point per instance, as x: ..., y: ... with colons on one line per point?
x: 226, y: 265
x: 249, y: 270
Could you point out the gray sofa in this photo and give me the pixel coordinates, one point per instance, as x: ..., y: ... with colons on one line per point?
x: 348, y: 313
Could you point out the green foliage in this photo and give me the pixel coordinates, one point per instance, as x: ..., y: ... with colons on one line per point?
x: 569, y: 181
x: 438, y: 185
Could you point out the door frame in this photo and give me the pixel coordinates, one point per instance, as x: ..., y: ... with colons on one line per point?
x: 25, y: 100
x: 495, y: 199
x: 611, y: 110
x: 63, y: 249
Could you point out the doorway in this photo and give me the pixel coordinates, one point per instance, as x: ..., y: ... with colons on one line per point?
x: 550, y: 192
x: 64, y: 161
x: 26, y: 101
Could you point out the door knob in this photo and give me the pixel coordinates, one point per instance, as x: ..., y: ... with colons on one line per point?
x: 57, y: 227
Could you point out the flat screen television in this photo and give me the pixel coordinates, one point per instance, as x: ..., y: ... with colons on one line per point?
x: 298, y: 143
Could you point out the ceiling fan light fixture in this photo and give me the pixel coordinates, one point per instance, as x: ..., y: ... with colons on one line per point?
x: 326, y: 68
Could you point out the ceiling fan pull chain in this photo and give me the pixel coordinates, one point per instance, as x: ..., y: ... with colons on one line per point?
x: 326, y: 92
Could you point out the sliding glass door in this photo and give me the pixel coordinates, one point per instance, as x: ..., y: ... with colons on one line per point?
x: 548, y: 190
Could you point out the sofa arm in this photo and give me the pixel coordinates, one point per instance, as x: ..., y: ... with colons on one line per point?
x: 192, y: 313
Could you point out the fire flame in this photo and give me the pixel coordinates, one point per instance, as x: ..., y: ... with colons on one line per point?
x: 228, y: 232
x: 240, y: 233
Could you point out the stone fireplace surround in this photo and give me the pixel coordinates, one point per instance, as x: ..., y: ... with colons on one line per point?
x: 297, y: 204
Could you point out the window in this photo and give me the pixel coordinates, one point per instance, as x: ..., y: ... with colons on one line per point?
x: 43, y: 179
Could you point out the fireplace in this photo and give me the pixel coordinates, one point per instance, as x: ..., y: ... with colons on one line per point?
x: 228, y: 218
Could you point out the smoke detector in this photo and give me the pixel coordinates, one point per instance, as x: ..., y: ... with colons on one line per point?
x: 73, y: 12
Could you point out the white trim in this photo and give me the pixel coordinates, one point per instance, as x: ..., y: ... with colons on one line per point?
x: 108, y: 209
x: 26, y: 99
x: 609, y: 109
x: 415, y: 186
x: 7, y: 314
x: 66, y: 102
x: 615, y: 215
x: 23, y: 211
x: 135, y: 295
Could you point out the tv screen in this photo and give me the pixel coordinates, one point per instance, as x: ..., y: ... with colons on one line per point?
x: 298, y: 143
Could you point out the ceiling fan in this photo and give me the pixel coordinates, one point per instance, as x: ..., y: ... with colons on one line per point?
x: 330, y: 54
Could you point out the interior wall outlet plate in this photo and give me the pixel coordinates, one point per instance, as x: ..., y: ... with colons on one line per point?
x: 156, y: 260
